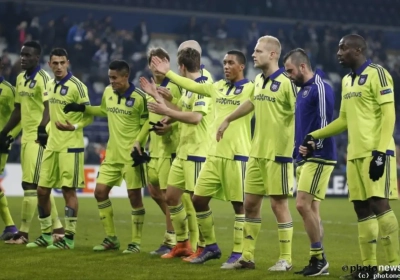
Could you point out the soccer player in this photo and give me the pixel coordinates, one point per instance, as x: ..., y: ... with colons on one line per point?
x: 314, y: 109
x: 62, y: 164
x: 163, y: 143
x: 222, y: 175
x: 196, y: 115
x: 126, y: 109
x: 7, y: 97
x: 269, y: 170
x: 367, y: 111
x: 32, y: 110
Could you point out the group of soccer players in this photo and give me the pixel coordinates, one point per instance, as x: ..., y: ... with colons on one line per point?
x: 201, y: 148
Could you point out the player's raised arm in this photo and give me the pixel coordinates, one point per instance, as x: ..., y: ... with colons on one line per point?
x: 163, y: 67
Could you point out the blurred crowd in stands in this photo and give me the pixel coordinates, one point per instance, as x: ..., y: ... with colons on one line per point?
x: 94, y: 42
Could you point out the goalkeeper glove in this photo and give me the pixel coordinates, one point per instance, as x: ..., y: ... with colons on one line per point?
x: 377, y: 166
x: 139, y: 159
x: 309, y: 147
x: 154, y: 125
x: 42, y: 136
x: 74, y: 107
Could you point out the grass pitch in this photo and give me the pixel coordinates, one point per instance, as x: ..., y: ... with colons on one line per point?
x: 19, y: 262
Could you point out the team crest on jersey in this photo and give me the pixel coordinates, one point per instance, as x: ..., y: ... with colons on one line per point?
x: 306, y: 91
x: 32, y: 84
x: 130, y: 102
x: 238, y: 91
x: 64, y: 90
x: 189, y: 94
x: 362, y: 79
x: 275, y: 86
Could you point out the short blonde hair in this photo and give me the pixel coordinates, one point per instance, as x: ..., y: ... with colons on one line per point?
x: 272, y: 44
x: 190, y: 44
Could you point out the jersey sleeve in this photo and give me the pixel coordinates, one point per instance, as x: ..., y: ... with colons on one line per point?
x: 206, y: 89
x: 17, y: 96
x: 291, y: 94
x: 382, y: 86
x: 342, y: 104
x: 144, y: 112
x: 201, y: 104
x: 82, y: 94
x: 43, y: 86
x: 176, y: 92
x: 322, y: 93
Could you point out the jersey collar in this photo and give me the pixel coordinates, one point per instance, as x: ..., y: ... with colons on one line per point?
x: 312, y: 80
x: 238, y: 83
x: 33, y: 74
x: 128, y: 92
x: 200, y: 79
x: 64, y: 80
x: 274, y: 75
x: 1, y: 79
x: 202, y: 66
x: 361, y: 69
x: 164, y: 82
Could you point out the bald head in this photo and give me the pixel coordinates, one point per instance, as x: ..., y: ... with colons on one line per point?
x: 355, y: 41
x: 190, y: 44
x: 271, y: 44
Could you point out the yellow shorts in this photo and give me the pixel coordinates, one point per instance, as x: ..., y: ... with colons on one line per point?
x: 184, y: 174
x: 31, y: 160
x: 3, y: 161
x: 313, y: 178
x: 268, y: 177
x: 112, y: 174
x: 361, y: 187
x: 62, y: 170
x: 158, y: 170
x: 221, y: 178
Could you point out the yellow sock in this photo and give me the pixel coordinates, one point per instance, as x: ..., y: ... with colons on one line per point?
x: 285, y: 233
x: 192, y: 221
x: 389, y: 232
x: 251, y: 229
x: 137, y: 225
x: 29, y: 205
x: 5, y: 211
x: 316, y: 250
x: 106, y: 213
x: 238, y: 233
x: 169, y: 239
x: 179, y: 221
x: 368, y: 231
x: 54, y: 214
x: 206, y: 226
x: 46, y: 225
x: 70, y: 222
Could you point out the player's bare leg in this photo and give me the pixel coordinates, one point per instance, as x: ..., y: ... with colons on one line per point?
x: 180, y: 223
x: 251, y: 229
x: 106, y: 213
x: 312, y: 224
x: 159, y: 196
x: 280, y: 207
x: 205, y: 222
x: 138, y: 213
x: 71, y: 217
x: 44, y: 210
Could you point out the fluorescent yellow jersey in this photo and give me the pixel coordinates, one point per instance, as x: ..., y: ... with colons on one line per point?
x: 194, y: 141
x: 274, y: 102
x: 126, y: 114
x: 226, y: 98
x: 7, y: 98
x: 31, y: 93
x: 362, y: 94
x: 164, y: 146
x: 68, y: 90
x: 204, y: 72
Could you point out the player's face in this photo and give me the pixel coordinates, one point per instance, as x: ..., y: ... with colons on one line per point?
x: 295, y: 73
x: 346, y: 54
x: 262, y: 56
x: 232, y: 68
x: 59, y: 65
x: 29, y: 58
x: 118, y: 79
